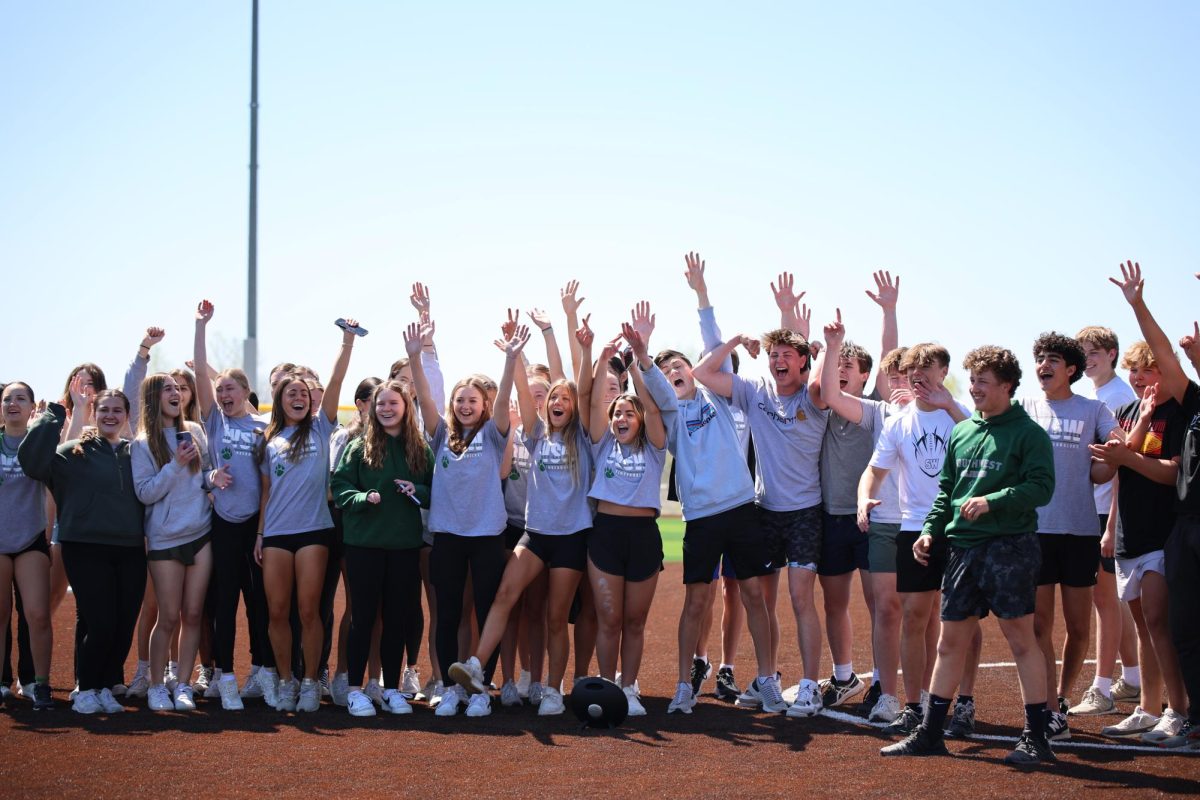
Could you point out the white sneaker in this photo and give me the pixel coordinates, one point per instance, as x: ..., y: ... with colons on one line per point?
x: 1137, y: 723
x: 359, y: 705
x: 771, y: 695
x: 636, y: 709
x: 268, y: 686
x: 340, y: 689
x: 537, y: 691
x: 637, y: 689
x: 394, y: 702
x: 1125, y: 692
x: 1170, y: 724
x: 73, y: 693
x: 523, y: 684
x: 551, y: 704
x: 1094, y: 702
x: 808, y: 701
x: 87, y: 703
x: 323, y: 683
x: 184, y: 698
x: 374, y: 692
x: 453, y: 697
x: 119, y: 689
x: 231, y: 699
x: 170, y: 678
x: 250, y: 689
x: 410, y: 683
x: 310, y: 696
x: 683, y: 700
x: 469, y: 675
x: 751, y: 696
x: 480, y: 705
x: 212, y: 691
x: 204, y: 678
x: 109, y: 702
x: 138, y: 686
x: 26, y: 689
x: 434, y: 693
x: 286, y: 695
x: 510, y: 694
x: 426, y: 691
x: 159, y: 698
x: 886, y: 709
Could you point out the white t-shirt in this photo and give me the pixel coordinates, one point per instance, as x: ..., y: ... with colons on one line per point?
x: 1113, y: 394
x: 915, y: 444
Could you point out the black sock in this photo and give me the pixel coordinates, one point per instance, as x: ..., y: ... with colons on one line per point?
x: 1036, y: 715
x: 935, y: 714
x: 966, y: 698
x: 915, y: 707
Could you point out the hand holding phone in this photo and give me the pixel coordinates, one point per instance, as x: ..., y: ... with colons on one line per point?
x: 357, y: 330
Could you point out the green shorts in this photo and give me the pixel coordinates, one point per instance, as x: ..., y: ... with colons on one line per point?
x: 881, y: 546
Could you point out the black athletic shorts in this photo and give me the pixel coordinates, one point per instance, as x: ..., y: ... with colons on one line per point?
x: 1069, y: 559
x: 843, y: 545
x: 512, y: 536
x: 294, y: 542
x: 561, y: 551
x: 998, y: 575
x: 793, y: 537
x: 629, y: 547
x: 736, y: 533
x: 37, y: 545
x: 912, y: 577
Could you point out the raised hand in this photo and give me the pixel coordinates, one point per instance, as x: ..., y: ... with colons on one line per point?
x: 428, y: 327
x: 814, y: 349
x: 752, y: 346
x: 695, y: 273
x: 570, y: 303
x: 636, y: 341
x: 1131, y: 282
x: 886, y: 292
x: 540, y: 318
x: 1190, y: 344
x: 936, y: 396
x: 785, y: 296
x: 835, y: 333
x: 204, y: 311
x: 412, y: 340
x: 348, y: 332
x: 609, y: 350
x: 515, y: 342
x: 1148, y: 402
x: 643, y: 321
x: 81, y: 392
x: 510, y: 325
x: 154, y: 335
x: 584, y: 335
x: 420, y: 299
x: 803, y: 316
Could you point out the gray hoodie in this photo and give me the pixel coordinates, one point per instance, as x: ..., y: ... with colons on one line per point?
x: 177, y: 506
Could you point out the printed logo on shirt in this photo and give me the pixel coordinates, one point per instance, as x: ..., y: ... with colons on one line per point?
x: 238, y: 442
x: 514, y: 475
x: 10, y: 468
x: 552, y: 455
x: 280, y: 451
x: 977, y: 467
x: 1152, y: 445
x: 930, y: 450
x: 778, y: 416
x: 707, y: 413
x: 1063, y: 432
x: 474, y: 450
x: 630, y: 465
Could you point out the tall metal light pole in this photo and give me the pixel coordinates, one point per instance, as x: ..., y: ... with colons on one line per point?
x: 250, y: 351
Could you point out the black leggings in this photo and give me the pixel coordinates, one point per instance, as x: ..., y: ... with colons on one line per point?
x: 448, y: 563
x: 387, y: 580
x: 109, y: 582
x: 1183, y: 604
x: 233, y: 554
x: 24, y: 652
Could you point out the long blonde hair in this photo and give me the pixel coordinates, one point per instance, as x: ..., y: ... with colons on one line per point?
x: 570, y: 431
x: 459, y: 439
x: 150, y: 425
x: 416, y: 452
x: 279, y: 422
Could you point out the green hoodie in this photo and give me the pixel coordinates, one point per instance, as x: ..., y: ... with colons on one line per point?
x: 1007, y: 460
x: 395, y: 522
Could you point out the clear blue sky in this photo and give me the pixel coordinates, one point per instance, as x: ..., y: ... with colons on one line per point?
x: 1001, y: 157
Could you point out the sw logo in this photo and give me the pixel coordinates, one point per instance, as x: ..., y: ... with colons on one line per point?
x: 929, y: 451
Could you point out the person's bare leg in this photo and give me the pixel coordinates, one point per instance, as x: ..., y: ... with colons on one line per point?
x: 1152, y: 680
x: 1077, y: 615
x: 885, y: 630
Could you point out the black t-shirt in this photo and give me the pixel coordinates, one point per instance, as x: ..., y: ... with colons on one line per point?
x: 1146, y: 509
x: 1188, y: 482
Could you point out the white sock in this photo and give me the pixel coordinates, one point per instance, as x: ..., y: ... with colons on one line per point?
x: 727, y: 666
x: 1132, y: 675
x: 1103, y: 685
x: 842, y: 672
x: 173, y: 666
x: 875, y: 676
x: 254, y: 668
x: 143, y: 667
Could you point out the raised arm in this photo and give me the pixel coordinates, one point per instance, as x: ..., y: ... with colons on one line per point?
x: 583, y: 379
x: 525, y: 403
x: 512, y: 356
x: 847, y: 407
x: 708, y: 371
x: 656, y: 432
x: 1190, y: 345
x: 204, y: 387
x: 710, y: 332
x: 429, y: 355
x: 553, y: 357
x: 430, y: 413
x: 885, y: 295
x: 38, y: 449
x: 598, y: 416
x: 333, y: 389
x: 787, y: 300
x: 570, y: 306
x: 137, y: 373
x: 1131, y: 284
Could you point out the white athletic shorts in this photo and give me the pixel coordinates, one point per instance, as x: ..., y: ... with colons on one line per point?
x: 1131, y: 570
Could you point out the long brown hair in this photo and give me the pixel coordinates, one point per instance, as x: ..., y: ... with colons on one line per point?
x: 150, y: 426
x: 639, y: 407
x: 279, y: 421
x: 93, y: 433
x: 460, y: 439
x: 99, y: 384
x: 191, y: 412
x: 364, y: 391
x: 375, y: 437
x: 570, y: 431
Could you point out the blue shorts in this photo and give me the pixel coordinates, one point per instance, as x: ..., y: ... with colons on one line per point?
x: 843, y: 545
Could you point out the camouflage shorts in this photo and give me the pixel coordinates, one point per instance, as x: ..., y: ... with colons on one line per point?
x: 999, y: 575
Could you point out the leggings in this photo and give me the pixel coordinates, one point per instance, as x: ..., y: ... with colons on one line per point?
x: 109, y: 582
x: 333, y: 573
x: 1183, y: 604
x: 233, y: 553
x: 448, y: 564
x: 24, y: 652
x: 387, y: 579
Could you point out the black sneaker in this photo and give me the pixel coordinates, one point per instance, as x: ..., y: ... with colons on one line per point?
x: 1063, y: 705
x: 835, y: 692
x: 727, y: 688
x: 701, y: 670
x: 906, y: 723
x: 1030, y: 751
x: 921, y: 742
x: 870, y: 699
x: 962, y: 724
x: 1057, y: 729
x: 42, y: 701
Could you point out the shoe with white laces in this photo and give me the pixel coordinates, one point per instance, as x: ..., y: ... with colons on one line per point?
x: 310, y: 696
x: 771, y: 695
x: 551, y: 704
x: 434, y: 693
x: 1057, y: 729
x: 170, y: 677
x: 684, y: 700
x: 637, y: 689
x: 1169, y: 725
x: 375, y: 692
x: 394, y: 702
x: 212, y: 691
x: 808, y: 701
x: 359, y: 705
x: 323, y: 684
x: 636, y: 709
x: 340, y: 688
x: 962, y: 723
x: 886, y: 709
x: 701, y: 671
x: 109, y: 702
x: 250, y: 689
x: 454, y: 697
x: 1137, y: 723
x: 537, y: 691
x: 426, y: 691
x: 87, y: 703
x: 204, y: 676
x: 1188, y: 738
x: 480, y: 705
x: 287, y: 695
x: 727, y: 688
x: 751, y: 697
x: 139, y: 685
x: 231, y: 698
x: 510, y: 695
x: 1092, y: 703
x: 410, y: 683
x: 184, y: 698
x: 159, y: 698
x: 469, y: 675
x: 268, y: 684
x: 523, y: 684
x: 907, y: 721
x: 1125, y: 692
x: 836, y: 693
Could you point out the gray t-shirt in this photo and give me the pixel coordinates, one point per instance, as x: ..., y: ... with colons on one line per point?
x: 231, y: 441
x: 516, y: 485
x: 787, y: 434
x: 22, y: 502
x: 626, y: 475
x: 844, y: 455
x: 557, y: 502
x: 1072, y: 425
x: 299, y: 489
x: 466, y: 498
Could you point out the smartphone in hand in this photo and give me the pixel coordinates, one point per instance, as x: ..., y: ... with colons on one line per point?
x: 357, y: 330
x: 183, y: 437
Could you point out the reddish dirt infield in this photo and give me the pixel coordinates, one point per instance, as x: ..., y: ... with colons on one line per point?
x: 716, y: 751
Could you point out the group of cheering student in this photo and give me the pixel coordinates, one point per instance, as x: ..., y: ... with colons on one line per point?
x: 522, y: 519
